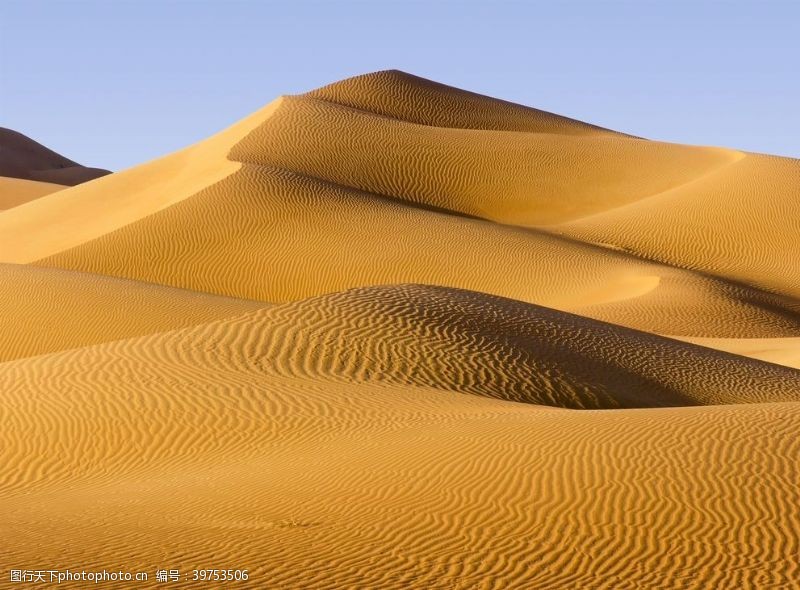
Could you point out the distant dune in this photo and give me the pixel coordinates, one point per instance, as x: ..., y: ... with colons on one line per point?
x: 393, y: 334
x: 22, y: 157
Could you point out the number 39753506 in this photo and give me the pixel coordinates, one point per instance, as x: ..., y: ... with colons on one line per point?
x: 215, y: 575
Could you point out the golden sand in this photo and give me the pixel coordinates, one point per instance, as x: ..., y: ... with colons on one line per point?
x: 391, y: 334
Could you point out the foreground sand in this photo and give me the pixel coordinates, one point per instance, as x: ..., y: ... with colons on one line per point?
x: 391, y: 334
x: 240, y: 443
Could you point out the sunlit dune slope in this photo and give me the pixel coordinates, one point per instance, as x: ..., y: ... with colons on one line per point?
x: 46, y: 310
x: 358, y: 183
x: 22, y: 157
x: 474, y: 343
x: 80, y: 214
x: 16, y: 191
x: 782, y: 351
x: 286, y: 233
x: 742, y: 222
x: 511, y: 177
x: 240, y: 442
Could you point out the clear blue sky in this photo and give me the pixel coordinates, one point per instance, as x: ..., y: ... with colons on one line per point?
x: 116, y: 83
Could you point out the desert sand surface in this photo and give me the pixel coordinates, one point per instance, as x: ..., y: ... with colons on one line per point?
x: 44, y: 310
x: 782, y: 351
x: 393, y: 334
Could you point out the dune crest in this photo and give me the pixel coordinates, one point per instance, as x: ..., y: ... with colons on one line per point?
x: 473, y: 343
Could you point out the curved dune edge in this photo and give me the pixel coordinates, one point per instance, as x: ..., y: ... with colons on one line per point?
x: 781, y: 351
x: 266, y: 219
x: 511, y: 177
x: 47, y: 226
x: 458, y: 341
x: 45, y: 310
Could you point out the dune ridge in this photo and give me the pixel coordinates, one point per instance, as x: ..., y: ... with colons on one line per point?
x: 278, y: 217
x: 473, y: 343
x: 44, y: 310
x: 403, y: 96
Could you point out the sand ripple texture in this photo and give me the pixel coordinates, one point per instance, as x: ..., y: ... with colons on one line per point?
x: 286, y: 232
x: 241, y: 443
x: 45, y: 310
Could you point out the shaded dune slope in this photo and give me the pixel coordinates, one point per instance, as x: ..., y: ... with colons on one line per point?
x: 399, y: 95
x: 470, y: 342
x: 462, y: 341
x: 16, y: 191
x: 22, y: 157
x: 46, y: 310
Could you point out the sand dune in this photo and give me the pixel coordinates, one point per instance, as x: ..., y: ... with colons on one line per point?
x: 741, y: 222
x: 46, y: 310
x: 510, y: 177
x: 371, y: 481
x: 473, y: 343
x: 22, y: 157
x: 278, y: 218
x: 269, y: 219
x: 16, y: 191
x: 283, y: 194
x: 393, y: 334
x: 781, y: 351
